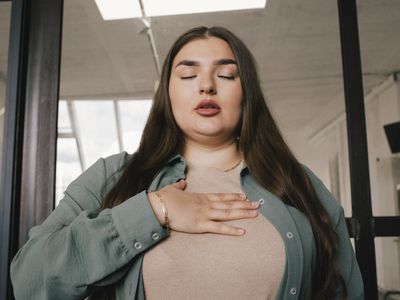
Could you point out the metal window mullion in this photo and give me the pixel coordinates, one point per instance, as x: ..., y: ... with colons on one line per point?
x: 75, y: 132
x: 358, y: 150
x: 13, y: 141
x: 118, y: 124
x: 29, y: 147
x: 387, y: 226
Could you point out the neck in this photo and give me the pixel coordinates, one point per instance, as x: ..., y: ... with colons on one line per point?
x: 223, y: 156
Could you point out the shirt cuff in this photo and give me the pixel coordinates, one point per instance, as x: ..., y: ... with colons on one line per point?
x: 137, y: 224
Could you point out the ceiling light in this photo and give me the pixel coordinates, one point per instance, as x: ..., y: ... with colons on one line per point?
x: 119, y: 9
x: 124, y: 9
x: 178, y: 7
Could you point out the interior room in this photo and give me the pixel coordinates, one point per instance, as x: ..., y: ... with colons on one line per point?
x: 110, y: 68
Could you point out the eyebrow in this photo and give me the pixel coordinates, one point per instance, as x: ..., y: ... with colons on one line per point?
x: 193, y: 63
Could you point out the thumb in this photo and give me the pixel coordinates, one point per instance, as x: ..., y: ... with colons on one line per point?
x: 180, y: 184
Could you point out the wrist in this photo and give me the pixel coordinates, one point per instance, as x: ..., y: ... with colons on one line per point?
x: 159, y: 208
x: 164, y: 210
x: 155, y: 205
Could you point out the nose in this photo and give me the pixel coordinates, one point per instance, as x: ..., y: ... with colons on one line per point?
x: 208, y: 90
x: 207, y: 86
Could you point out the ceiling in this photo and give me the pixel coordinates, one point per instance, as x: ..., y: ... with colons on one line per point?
x: 296, y: 45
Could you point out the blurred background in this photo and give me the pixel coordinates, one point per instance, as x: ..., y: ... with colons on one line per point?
x: 110, y: 67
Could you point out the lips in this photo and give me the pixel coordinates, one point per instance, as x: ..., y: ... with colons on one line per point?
x: 207, y: 108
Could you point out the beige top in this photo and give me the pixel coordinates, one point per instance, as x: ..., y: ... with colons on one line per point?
x: 214, y: 266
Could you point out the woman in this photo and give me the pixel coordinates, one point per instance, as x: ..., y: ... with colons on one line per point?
x: 213, y: 204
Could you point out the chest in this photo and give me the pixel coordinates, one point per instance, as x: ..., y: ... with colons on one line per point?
x: 290, y: 226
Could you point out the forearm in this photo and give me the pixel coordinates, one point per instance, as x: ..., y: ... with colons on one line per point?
x: 68, y: 262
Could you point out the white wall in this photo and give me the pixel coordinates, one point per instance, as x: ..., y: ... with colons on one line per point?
x: 382, y: 107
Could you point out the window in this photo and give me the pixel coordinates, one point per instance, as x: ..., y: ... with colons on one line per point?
x: 89, y: 129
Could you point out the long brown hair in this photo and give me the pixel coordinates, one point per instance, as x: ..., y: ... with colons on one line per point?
x: 267, y: 155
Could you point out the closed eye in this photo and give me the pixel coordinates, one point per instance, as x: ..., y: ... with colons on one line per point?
x: 188, y: 77
x: 227, y: 77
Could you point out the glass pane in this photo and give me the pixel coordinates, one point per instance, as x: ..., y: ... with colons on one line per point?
x: 133, y: 118
x: 5, y: 16
x: 388, y: 265
x: 301, y: 74
x: 297, y: 47
x: 103, y: 66
x: 64, y: 123
x: 96, y: 129
x: 68, y: 165
x: 380, y: 48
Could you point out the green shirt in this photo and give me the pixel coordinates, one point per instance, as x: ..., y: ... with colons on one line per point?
x: 80, y: 248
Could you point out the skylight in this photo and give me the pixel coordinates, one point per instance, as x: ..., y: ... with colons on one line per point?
x: 119, y: 9
x: 125, y: 9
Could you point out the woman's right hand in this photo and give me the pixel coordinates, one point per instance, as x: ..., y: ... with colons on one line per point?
x: 202, y: 212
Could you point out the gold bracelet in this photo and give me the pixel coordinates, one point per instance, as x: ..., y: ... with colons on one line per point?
x: 164, y: 209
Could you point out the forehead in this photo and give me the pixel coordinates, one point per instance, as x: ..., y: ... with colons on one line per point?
x: 204, y: 50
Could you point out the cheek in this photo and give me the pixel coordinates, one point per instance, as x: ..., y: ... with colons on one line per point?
x: 178, y: 93
x: 237, y: 98
x: 174, y: 96
x: 181, y: 96
x: 178, y: 106
x: 236, y: 107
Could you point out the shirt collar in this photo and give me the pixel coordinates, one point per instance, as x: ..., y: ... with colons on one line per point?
x: 176, y: 158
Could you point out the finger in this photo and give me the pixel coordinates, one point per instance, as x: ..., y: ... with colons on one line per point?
x: 180, y: 184
x: 221, y: 228
x: 225, y: 196
x: 231, y: 214
x: 234, y: 205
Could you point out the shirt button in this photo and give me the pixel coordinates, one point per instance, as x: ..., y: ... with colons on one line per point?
x: 155, y: 236
x: 289, y: 235
x: 261, y: 201
x: 293, y: 291
x: 138, y: 245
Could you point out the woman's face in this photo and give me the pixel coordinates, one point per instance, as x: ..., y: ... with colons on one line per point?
x: 205, y: 90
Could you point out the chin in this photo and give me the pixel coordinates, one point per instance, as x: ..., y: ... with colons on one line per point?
x: 212, y: 132
x: 215, y: 134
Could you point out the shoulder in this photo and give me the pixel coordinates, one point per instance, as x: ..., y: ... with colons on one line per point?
x: 97, y: 179
x: 332, y: 206
x: 113, y: 164
x: 104, y: 168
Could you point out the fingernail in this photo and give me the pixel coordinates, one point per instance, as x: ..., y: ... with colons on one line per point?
x: 255, y: 203
x: 240, y: 231
x: 243, y: 196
